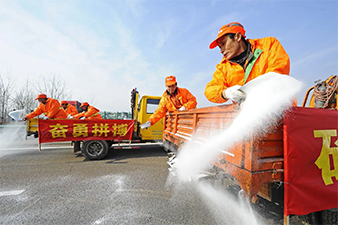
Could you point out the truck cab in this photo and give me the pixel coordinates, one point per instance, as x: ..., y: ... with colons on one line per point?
x: 141, y: 111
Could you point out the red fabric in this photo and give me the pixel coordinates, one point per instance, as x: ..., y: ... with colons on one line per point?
x: 310, y: 164
x: 79, y: 130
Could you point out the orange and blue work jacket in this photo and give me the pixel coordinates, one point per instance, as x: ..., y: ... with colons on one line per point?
x: 171, y: 103
x: 268, y: 56
x: 92, y: 113
x: 51, y: 109
x: 71, y: 110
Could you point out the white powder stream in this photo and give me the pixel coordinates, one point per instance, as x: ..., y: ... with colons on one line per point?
x: 268, y: 97
x: 12, y: 135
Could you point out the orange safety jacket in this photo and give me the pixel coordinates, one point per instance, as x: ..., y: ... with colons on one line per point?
x: 71, y: 110
x: 173, y: 103
x: 268, y: 56
x: 92, y: 113
x: 51, y: 109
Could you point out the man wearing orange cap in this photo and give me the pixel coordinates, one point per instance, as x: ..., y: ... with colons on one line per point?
x: 173, y: 99
x: 89, y: 113
x: 49, y: 107
x: 243, y: 60
x: 69, y: 108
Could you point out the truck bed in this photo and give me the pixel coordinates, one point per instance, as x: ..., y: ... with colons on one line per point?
x: 253, y: 163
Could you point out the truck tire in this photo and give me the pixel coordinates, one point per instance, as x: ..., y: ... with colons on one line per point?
x: 329, y: 216
x: 95, y: 150
x: 309, y: 219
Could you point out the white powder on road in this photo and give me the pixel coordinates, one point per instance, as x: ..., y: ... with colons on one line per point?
x: 12, y: 136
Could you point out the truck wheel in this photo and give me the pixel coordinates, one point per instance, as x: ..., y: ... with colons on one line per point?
x: 310, y: 219
x: 95, y: 149
x: 329, y: 216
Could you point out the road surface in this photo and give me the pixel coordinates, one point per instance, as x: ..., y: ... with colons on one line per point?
x: 56, y: 186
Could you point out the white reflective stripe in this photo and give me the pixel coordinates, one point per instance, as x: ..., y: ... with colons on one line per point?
x: 93, y: 114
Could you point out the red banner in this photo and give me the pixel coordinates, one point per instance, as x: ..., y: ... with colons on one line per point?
x: 79, y: 130
x: 310, y: 160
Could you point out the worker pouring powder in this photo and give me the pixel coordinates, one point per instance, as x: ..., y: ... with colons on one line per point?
x: 267, y: 98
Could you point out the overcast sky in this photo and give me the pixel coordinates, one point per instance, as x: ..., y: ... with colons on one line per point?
x: 103, y: 49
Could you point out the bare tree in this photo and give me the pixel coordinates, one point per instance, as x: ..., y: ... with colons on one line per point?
x: 24, y: 98
x: 6, y: 87
x: 53, y: 86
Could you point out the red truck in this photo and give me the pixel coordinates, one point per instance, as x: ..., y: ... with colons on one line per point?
x: 94, y: 138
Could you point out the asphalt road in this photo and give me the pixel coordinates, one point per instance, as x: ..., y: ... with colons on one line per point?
x: 56, y: 186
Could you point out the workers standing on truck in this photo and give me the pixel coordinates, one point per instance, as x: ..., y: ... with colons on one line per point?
x: 69, y: 108
x: 173, y: 99
x: 89, y: 113
x: 243, y: 60
x: 49, y: 107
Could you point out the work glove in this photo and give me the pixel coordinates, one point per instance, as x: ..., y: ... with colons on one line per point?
x: 145, y: 125
x: 82, y: 118
x: 181, y: 109
x: 234, y: 93
x: 43, y: 117
x: 70, y: 117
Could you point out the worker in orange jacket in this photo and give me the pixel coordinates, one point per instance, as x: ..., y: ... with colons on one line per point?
x: 49, y: 107
x: 69, y: 108
x: 243, y: 60
x: 89, y: 113
x: 173, y: 99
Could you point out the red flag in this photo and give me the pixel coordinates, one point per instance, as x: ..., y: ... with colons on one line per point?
x: 310, y: 160
x: 79, y: 130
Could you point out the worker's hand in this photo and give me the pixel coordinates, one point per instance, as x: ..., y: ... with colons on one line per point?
x: 82, y: 118
x: 234, y: 93
x: 145, y: 125
x: 70, y: 117
x: 181, y: 109
x: 24, y: 119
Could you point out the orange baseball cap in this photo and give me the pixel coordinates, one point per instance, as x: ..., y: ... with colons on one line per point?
x: 233, y: 27
x: 84, y: 104
x: 170, y: 80
x: 41, y: 96
x: 64, y: 102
